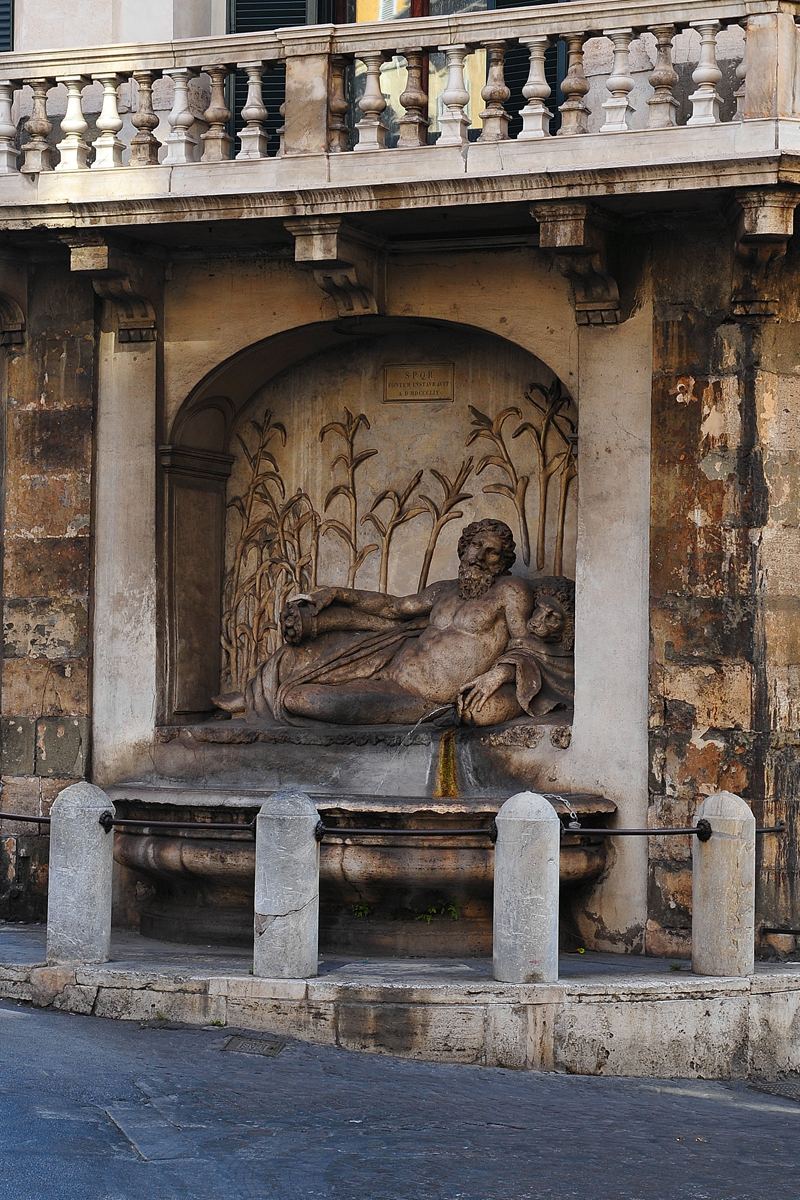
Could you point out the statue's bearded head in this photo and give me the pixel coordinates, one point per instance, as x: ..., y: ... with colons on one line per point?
x: 485, y: 550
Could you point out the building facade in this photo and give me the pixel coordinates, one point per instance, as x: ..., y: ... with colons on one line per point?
x: 287, y: 307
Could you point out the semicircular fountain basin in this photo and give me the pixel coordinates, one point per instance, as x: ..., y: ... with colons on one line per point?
x: 381, y: 894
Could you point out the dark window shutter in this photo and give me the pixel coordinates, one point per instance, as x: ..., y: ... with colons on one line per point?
x: 6, y: 25
x: 251, y: 16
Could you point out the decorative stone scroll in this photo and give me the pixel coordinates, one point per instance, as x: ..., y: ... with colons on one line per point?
x: 346, y: 263
x: 577, y: 238
x: 764, y: 221
x: 115, y: 278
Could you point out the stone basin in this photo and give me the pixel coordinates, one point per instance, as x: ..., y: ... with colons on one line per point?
x: 382, y: 894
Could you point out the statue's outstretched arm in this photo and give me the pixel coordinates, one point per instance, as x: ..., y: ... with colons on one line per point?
x: 376, y: 604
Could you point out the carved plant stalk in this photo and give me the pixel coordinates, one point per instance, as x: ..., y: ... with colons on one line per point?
x: 258, y: 510
x: 399, y: 515
x: 568, y: 472
x: 291, y: 567
x: 348, y: 431
x: 516, y: 488
x: 552, y: 420
x: 442, y: 514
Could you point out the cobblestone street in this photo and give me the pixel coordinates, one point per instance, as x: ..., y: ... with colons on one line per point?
x: 108, y: 1110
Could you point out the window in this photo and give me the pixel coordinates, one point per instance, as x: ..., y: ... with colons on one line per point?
x: 6, y: 25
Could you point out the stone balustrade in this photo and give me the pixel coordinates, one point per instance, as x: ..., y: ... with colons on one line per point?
x: 646, y: 84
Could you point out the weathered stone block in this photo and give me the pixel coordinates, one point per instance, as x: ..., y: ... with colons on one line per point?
x: 54, y: 566
x: 76, y: 999
x: 18, y: 749
x: 49, y: 982
x: 720, y: 694
x: 44, y: 628
x: 50, y: 789
x: 62, y: 746
x: 52, y: 440
x: 20, y: 795
x: 48, y: 504
x: 42, y: 687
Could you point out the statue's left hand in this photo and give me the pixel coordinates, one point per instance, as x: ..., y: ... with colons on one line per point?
x: 316, y: 600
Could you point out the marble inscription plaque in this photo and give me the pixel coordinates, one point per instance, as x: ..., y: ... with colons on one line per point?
x: 418, y: 381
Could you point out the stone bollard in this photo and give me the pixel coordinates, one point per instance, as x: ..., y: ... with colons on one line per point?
x: 81, y: 868
x: 723, y: 888
x: 526, y: 873
x: 287, y: 888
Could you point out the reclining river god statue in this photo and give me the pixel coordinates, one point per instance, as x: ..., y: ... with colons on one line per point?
x: 489, y: 644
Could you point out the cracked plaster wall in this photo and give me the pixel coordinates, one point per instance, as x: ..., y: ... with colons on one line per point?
x: 725, y: 612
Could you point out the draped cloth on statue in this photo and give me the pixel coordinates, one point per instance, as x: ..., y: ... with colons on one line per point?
x: 332, y: 658
x: 545, y: 675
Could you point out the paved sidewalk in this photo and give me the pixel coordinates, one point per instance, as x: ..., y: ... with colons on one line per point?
x: 108, y: 1110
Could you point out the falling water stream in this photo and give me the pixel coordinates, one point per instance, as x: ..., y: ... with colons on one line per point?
x: 435, y: 712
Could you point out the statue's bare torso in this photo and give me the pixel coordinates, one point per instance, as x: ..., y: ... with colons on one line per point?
x: 463, y: 638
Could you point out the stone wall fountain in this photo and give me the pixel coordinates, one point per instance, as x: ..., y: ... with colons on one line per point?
x: 398, y: 641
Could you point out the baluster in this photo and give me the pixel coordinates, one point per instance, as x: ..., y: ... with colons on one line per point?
x: 216, y: 140
x: 144, y: 144
x: 181, y: 146
x: 706, y: 100
x: 454, y: 121
x: 281, y: 130
x: 494, y: 117
x: 414, y: 122
x: 8, y: 130
x: 741, y: 75
x: 73, y: 149
x: 536, y: 117
x: 38, y: 151
x: 574, y: 113
x: 254, y: 137
x: 663, y: 104
x: 108, y: 148
x: 338, y: 105
x: 371, y: 129
x: 618, y: 107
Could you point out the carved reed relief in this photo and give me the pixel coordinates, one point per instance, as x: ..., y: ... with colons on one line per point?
x: 276, y: 549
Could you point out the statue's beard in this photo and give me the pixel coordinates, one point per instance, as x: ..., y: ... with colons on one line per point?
x: 474, y: 581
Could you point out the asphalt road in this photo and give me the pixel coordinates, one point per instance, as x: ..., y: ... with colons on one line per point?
x: 107, y: 1110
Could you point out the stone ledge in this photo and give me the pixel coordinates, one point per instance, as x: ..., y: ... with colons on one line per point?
x: 615, y: 1024
x: 762, y: 167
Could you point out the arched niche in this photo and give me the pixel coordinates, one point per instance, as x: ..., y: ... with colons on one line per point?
x: 321, y: 457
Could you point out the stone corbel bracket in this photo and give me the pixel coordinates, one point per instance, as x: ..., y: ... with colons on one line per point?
x: 578, y: 241
x: 764, y: 220
x: 348, y: 264
x: 114, y: 278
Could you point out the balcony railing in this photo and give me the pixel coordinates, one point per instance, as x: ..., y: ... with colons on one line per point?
x: 649, y: 84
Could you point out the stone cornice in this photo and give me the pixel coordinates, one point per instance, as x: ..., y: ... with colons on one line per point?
x: 762, y: 170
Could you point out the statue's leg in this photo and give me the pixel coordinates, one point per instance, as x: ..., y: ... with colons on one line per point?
x: 362, y: 702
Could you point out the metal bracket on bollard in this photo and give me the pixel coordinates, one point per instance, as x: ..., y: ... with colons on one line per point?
x: 702, y: 830
x: 106, y: 819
